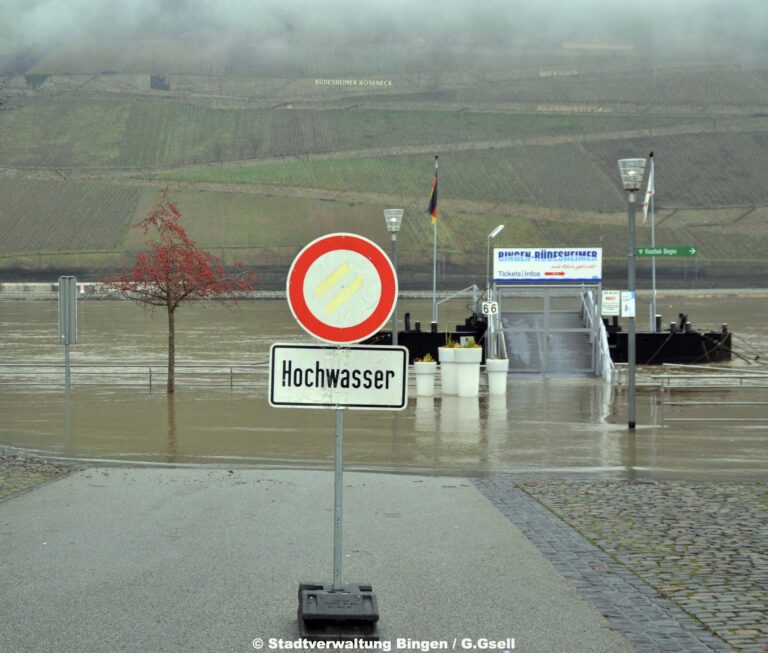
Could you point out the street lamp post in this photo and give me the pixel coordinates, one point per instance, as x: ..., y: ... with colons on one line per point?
x: 631, y: 177
x: 491, y: 236
x: 393, y: 219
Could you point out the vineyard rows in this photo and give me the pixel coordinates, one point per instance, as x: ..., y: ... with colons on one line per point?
x: 65, y: 220
x: 700, y: 88
x: 465, y: 235
x: 112, y: 120
x: 68, y: 132
x: 51, y: 216
x: 560, y: 176
x: 50, y: 131
x: 698, y: 170
x: 701, y: 170
x: 242, y: 225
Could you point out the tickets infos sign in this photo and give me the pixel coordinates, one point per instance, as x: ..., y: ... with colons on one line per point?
x: 548, y: 265
x: 323, y: 376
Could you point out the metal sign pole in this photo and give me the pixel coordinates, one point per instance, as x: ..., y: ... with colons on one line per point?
x: 394, y: 310
x: 66, y: 367
x: 332, y: 611
x: 338, y: 487
x: 67, y: 319
x: 631, y: 346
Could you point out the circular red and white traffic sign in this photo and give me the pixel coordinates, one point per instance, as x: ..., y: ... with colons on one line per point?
x: 342, y: 288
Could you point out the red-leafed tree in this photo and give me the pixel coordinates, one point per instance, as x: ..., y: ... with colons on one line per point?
x: 173, y: 269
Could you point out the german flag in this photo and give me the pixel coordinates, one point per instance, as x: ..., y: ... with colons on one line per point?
x: 432, y: 209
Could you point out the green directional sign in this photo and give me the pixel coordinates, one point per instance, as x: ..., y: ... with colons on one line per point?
x: 688, y: 250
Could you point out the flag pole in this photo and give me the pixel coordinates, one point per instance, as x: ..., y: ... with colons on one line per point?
x: 653, y: 244
x: 434, y: 273
x: 433, y: 212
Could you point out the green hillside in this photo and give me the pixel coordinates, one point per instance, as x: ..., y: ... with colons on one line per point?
x: 56, y: 215
x: 66, y: 131
x: 719, y: 169
x: 265, y: 149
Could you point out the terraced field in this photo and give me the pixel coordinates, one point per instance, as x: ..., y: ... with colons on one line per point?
x: 60, y: 216
x: 692, y: 171
x: 65, y: 131
x: 261, y: 157
x: 733, y: 86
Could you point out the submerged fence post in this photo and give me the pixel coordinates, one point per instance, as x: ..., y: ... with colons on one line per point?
x: 67, y: 320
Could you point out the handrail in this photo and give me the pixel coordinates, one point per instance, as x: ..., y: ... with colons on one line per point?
x: 603, y: 363
x: 677, y: 381
x: 587, y: 309
x: 501, y: 342
x: 474, y: 288
x: 47, y: 373
x: 160, y: 364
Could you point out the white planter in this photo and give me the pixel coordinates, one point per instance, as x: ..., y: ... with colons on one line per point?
x: 447, y: 357
x: 425, y: 378
x: 468, y: 371
x: 497, y: 375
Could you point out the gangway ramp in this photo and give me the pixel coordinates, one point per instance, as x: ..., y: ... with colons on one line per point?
x: 549, y: 331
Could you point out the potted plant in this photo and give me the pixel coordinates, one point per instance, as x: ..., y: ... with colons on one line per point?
x: 447, y: 356
x: 424, y: 369
x: 468, y: 358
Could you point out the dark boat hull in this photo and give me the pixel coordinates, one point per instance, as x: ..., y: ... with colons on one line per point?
x: 686, y: 347
x: 666, y: 347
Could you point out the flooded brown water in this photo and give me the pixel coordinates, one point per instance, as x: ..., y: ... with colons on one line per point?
x: 220, y: 415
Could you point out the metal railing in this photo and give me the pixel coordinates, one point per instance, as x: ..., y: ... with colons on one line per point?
x: 470, y: 291
x: 598, y: 336
x: 148, y: 375
x: 712, y: 381
x: 723, y: 409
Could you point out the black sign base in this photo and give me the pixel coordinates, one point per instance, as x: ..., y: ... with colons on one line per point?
x: 350, y: 612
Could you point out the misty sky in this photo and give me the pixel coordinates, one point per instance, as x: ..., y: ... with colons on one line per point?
x: 728, y: 24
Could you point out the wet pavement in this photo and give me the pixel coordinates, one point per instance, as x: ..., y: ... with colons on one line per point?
x: 208, y: 560
x: 673, y: 566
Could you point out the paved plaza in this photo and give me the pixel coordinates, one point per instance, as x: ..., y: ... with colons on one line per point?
x: 128, y: 557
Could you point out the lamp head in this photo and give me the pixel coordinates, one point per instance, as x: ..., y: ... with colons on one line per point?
x: 496, y: 231
x: 393, y: 218
x: 631, y: 173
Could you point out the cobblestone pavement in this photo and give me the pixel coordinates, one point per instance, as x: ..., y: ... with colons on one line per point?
x: 675, y: 566
x: 19, y: 472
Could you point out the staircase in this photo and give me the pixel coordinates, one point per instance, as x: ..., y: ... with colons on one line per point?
x: 555, y: 342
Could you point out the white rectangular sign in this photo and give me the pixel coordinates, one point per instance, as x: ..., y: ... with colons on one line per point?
x: 611, y: 303
x: 324, y: 376
x: 490, y: 308
x: 628, y: 303
x: 548, y: 265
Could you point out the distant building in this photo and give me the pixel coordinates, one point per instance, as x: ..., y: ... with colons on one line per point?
x: 159, y: 82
